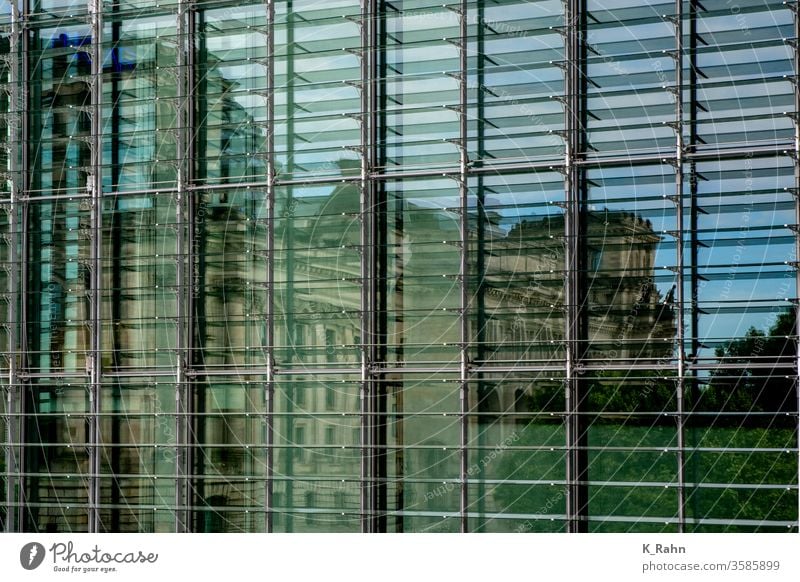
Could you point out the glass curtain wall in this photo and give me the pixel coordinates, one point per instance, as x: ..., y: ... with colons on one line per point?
x: 404, y: 266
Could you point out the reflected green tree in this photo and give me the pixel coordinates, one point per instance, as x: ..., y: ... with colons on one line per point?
x: 743, y: 430
x: 762, y: 382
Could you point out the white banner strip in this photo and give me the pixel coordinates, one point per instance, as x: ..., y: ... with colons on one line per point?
x: 403, y: 557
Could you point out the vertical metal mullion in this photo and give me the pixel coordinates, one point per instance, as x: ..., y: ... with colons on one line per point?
x: 188, y: 161
x: 187, y: 68
x: 270, y: 267
x: 183, y: 251
x: 24, y: 94
x: 795, y: 7
x: 463, y: 271
x: 679, y: 249
x: 198, y: 233
x: 14, y: 395
x: 115, y: 282
x: 288, y: 240
x: 376, y: 229
x: 365, y: 211
x: 480, y: 254
x: 392, y: 224
x: 575, y: 502
x: 95, y: 185
x: 694, y: 244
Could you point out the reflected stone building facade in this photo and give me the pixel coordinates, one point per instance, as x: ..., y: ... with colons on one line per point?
x: 353, y: 265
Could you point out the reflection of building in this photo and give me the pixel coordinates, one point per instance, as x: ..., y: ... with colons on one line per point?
x: 138, y: 271
x: 321, y: 320
x: 236, y: 297
x: 627, y: 313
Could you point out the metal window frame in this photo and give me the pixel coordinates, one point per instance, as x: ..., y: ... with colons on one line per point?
x: 372, y: 367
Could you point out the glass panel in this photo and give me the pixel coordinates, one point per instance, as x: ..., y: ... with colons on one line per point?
x: 58, y: 283
x: 317, y: 454
x: 743, y: 436
x: 745, y: 247
x: 49, y: 9
x: 317, y: 521
x: 743, y: 74
x: 140, y: 103
x: 138, y: 456
x: 139, y: 286
x: 317, y: 76
x: 422, y: 271
x: 317, y: 275
x: 516, y: 256
x: 231, y: 458
x: 630, y: 76
x: 229, y: 278
x: 632, y: 461
x: 7, y: 239
x: 751, y: 485
x: 60, y: 107
x: 422, y: 455
x: 630, y: 261
x: 421, y: 89
x: 516, y: 463
x: 57, y: 11
x: 513, y: 77
x: 223, y: 510
x: 7, y: 112
x: 57, y: 459
x: 232, y: 102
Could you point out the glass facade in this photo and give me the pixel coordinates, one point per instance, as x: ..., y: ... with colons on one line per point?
x: 370, y: 265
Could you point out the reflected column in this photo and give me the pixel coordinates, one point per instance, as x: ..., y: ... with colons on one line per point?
x: 17, y: 272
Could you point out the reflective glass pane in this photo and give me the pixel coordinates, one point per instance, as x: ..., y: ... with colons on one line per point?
x: 60, y: 108
x: 516, y: 458
x: 232, y: 105
x: 631, y: 438
x: 229, y: 278
x: 57, y: 459
x: 317, y: 454
x: 58, y: 284
x: 422, y: 269
x: 140, y: 103
x: 517, y: 260
x: 317, y: 77
x: 317, y: 267
x: 137, y: 460
x: 630, y: 76
x: 230, y: 459
x: 630, y: 263
x: 516, y: 60
x: 139, y: 269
